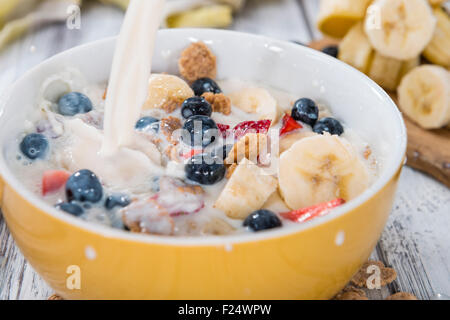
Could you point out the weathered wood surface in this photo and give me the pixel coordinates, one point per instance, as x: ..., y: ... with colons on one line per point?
x: 416, y: 241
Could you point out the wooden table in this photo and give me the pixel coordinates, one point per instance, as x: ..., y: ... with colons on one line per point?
x: 416, y: 240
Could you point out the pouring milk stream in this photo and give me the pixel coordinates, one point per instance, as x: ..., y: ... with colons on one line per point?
x: 119, y: 155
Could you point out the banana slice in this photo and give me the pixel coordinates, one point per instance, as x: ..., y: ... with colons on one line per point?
x: 247, y: 190
x: 385, y: 71
x: 355, y: 49
x: 319, y: 169
x: 388, y: 72
x: 256, y: 100
x: 438, y: 50
x: 424, y: 96
x: 436, y: 3
x: 275, y: 203
x: 400, y: 29
x: 336, y: 17
x: 288, y: 140
x: 167, y: 92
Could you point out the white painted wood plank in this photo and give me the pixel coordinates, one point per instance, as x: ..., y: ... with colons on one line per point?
x: 416, y: 240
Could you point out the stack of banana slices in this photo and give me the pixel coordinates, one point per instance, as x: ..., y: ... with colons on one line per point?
x: 387, y: 40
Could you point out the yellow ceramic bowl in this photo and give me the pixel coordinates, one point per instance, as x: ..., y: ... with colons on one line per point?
x: 311, y: 261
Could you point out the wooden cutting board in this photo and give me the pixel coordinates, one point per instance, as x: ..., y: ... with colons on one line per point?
x: 428, y: 150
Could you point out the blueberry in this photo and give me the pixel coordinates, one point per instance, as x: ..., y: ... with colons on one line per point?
x: 331, y: 51
x: 146, y: 123
x: 34, y: 145
x: 195, y: 106
x: 262, y: 220
x: 204, y: 172
x: 223, y: 152
x: 74, y: 103
x: 84, y: 186
x: 330, y: 125
x: 71, y: 208
x: 202, y: 85
x: 306, y: 111
x: 202, y: 131
x: 117, y: 200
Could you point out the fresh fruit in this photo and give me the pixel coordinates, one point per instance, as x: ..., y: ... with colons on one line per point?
x: 319, y: 210
x: 202, y: 85
x: 204, y: 172
x: 388, y: 72
x: 195, y: 106
x: 241, y: 129
x: 289, y: 125
x: 210, y: 16
x: 438, y: 49
x: 355, y: 49
x: 223, y: 128
x: 222, y: 153
x: 53, y: 180
x: 275, y: 203
x: 256, y: 100
x: 252, y: 146
x: 71, y: 208
x: 147, y: 123
x: 336, y: 17
x: 424, y: 96
x: 166, y: 92
x: 34, y: 146
x: 246, y: 191
x: 330, y: 125
x: 84, y: 186
x: 262, y: 220
x: 319, y: 169
x: 331, y: 51
x: 399, y: 29
x: 117, y: 200
x: 202, y: 131
x: 385, y: 71
x: 306, y: 111
x: 287, y: 140
x: 74, y: 103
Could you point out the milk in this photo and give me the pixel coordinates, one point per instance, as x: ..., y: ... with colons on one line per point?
x: 119, y: 156
x: 128, y: 89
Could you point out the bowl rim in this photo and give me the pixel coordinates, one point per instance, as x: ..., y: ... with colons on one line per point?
x: 226, y: 240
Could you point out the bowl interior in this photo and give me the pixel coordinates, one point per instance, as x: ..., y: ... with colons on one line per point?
x: 352, y: 97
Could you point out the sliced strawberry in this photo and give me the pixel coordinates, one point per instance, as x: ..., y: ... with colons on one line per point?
x: 306, y: 214
x: 289, y: 124
x: 223, y: 128
x: 53, y: 180
x: 260, y: 126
